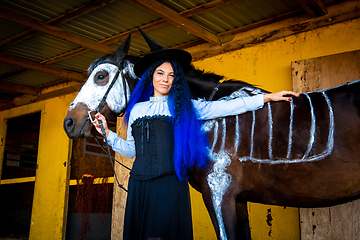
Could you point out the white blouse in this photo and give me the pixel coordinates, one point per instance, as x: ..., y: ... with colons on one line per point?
x: 159, y: 106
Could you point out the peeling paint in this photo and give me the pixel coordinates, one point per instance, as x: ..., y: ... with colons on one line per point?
x: 269, y: 220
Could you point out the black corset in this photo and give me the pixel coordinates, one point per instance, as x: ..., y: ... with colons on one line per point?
x: 154, y: 143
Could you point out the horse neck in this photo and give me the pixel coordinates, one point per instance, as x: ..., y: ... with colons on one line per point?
x: 203, y: 85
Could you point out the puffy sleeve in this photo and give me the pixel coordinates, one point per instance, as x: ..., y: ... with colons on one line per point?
x: 121, y: 146
x: 223, y: 108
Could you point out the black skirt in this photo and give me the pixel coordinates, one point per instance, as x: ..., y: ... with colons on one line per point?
x: 158, y: 208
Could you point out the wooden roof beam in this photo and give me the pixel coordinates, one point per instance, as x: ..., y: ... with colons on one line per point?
x: 159, y: 23
x: 19, y: 88
x: 176, y: 19
x: 53, y: 31
x: 88, y: 7
x: 6, y: 99
x: 26, y: 98
x: 188, y: 13
x: 315, y: 8
x: 337, y: 14
x: 23, y: 63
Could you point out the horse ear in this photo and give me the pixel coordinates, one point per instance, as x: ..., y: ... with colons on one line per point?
x: 123, y: 49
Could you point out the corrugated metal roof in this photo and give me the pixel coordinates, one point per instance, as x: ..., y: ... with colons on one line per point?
x: 33, y: 78
x: 42, y: 10
x: 102, y: 20
x: 117, y: 17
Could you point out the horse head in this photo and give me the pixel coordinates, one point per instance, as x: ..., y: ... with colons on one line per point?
x: 109, y: 75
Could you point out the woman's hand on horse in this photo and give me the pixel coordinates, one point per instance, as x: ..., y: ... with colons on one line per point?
x: 280, y: 96
x: 101, y: 117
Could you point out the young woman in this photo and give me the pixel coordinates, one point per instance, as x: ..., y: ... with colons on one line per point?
x: 165, y: 135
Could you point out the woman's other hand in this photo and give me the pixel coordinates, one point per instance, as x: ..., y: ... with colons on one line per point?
x: 280, y: 96
x: 101, y: 117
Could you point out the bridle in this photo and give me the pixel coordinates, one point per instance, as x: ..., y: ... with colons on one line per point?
x: 214, y: 91
x: 109, y: 88
x: 107, y: 150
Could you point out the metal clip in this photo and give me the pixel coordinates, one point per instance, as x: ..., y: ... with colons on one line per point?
x: 90, y: 117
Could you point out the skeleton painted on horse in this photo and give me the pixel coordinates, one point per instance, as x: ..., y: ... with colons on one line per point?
x: 302, y: 153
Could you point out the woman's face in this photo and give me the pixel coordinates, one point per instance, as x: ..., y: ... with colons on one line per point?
x: 162, y: 79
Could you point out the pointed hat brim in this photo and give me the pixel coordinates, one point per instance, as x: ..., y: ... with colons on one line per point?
x: 178, y: 55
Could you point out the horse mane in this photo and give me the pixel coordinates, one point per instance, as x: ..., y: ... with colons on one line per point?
x: 202, y: 84
x: 109, y: 58
x: 202, y: 76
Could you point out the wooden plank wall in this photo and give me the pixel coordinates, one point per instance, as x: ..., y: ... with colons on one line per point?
x: 341, y: 222
x: 119, y: 195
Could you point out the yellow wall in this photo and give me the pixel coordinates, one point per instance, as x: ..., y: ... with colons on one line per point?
x: 48, y: 219
x: 269, y: 66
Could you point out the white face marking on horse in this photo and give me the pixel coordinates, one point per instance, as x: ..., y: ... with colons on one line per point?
x: 93, y: 91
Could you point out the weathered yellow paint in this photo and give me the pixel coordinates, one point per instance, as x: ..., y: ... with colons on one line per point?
x: 269, y: 66
x: 96, y: 181
x: 48, y: 220
x: 49, y: 210
x: 17, y: 180
x: 273, y: 222
x: 202, y: 225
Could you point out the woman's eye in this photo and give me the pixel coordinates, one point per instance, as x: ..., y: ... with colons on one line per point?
x: 101, y: 76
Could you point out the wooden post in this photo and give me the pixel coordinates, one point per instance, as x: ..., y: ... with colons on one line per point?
x: 119, y: 196
x: 341, y: 221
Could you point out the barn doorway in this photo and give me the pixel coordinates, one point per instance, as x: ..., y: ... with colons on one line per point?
x: 18, y: 175
x: 91, y: 190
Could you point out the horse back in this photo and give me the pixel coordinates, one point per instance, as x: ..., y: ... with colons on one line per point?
x: 286, y: 152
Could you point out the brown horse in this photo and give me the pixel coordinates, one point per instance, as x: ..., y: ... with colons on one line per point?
x: 302, y: 153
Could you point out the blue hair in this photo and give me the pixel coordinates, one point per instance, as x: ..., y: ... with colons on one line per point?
x: 142, y: 92
x: 191, y: 144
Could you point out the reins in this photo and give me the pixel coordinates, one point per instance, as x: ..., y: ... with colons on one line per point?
x: 107, y: 150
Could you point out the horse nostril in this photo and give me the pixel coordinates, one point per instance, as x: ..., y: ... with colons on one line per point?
x: 69, y: 124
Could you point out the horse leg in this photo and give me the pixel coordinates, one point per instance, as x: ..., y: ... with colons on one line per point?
x: 242, y: 217
x: 228, y: 211
x: 210, y: 208
x: 199, y: 183
x: 235, y: 217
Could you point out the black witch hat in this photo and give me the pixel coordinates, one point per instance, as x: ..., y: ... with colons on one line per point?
x: 158, y: 52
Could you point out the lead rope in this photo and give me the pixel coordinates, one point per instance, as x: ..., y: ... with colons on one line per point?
x: 108, y: 151
x: 102, y: 147
x: 102, y: 126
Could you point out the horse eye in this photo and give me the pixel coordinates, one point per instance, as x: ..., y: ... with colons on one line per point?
x: 101, y: 78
